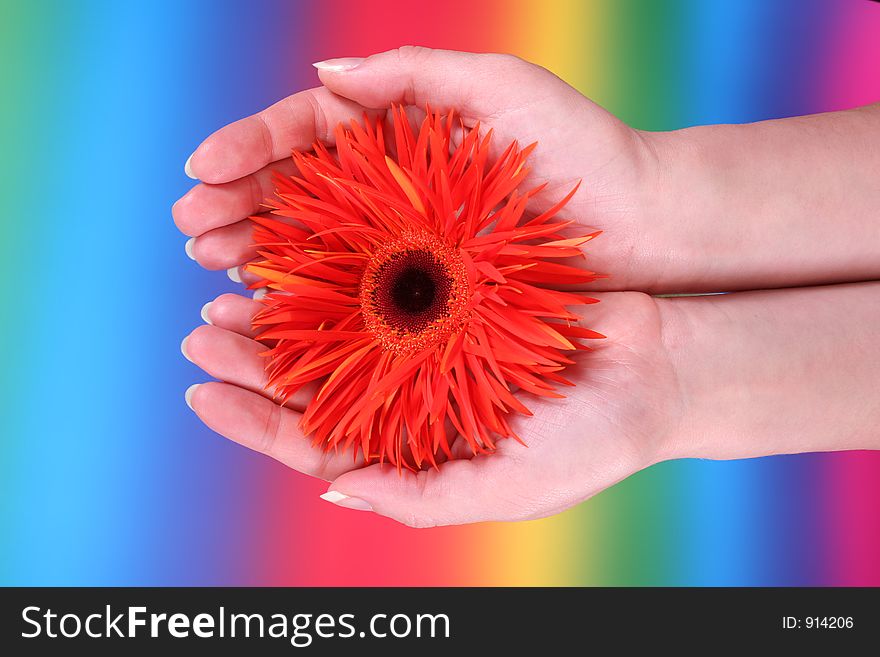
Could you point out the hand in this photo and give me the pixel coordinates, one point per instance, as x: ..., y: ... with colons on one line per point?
x: 736, y: 376
x: 578, y: 141
x: 617, y: 420
x: 772, y: 204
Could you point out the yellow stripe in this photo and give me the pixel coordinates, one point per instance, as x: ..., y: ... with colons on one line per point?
x: 568, y: 37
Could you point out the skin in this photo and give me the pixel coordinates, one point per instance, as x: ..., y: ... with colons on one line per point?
x: 774, y: 204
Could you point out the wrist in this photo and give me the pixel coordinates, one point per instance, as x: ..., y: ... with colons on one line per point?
x: 682, y: 204
x: 779, y: 203
x: 774, y: 372
x: 678, y: 330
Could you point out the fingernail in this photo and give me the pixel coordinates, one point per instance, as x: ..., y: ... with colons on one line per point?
x: 339, y: 499
x: 188, y: 247
x: 234, y: 274
x: 187, y: 168
x: 338, y: 64
x: 188, y: 395
x: 183, y: 349
x: 260, y: 292
x: 204, y: 313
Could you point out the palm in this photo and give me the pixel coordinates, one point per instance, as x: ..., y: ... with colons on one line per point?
x: 609, y: 426
x: 577, y: 141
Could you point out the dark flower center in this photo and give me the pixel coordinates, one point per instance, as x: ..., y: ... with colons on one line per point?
x: 414, y: 293
x: 413, y: 290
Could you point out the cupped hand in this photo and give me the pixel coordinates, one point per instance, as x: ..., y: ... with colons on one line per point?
x: 577, y: 141
x: 613, y: 423
x: 619, y: 418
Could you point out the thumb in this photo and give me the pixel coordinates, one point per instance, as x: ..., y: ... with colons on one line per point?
x: 475, y: 85
x: 458, y: 492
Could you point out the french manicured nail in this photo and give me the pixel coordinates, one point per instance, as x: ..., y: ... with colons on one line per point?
x: 338, y: 64
x: 234, y: 274
x: 187, y: 168
x: 188, y: 247
x: 204, y: 313
x: 260, y: 292
x: 339, y: 499
x: 183, y: 349
x: 188, y: 395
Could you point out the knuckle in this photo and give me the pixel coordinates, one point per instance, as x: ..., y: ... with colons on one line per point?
x: 269, y: 437
x: 512, y: 63
x: 508, y: 59
x: 254, y: 191
x: 266, y: 136
x: 426, y: 493
x: 413, y: 53
x: 319, y: 117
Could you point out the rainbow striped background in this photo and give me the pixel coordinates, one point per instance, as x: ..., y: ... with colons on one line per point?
x: 107, y: 478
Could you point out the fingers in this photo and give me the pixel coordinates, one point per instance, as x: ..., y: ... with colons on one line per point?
x: 459, y: 492
x: 233, y: 313
x: 477, y: 85
x: 206, y: 207
x: 248, y: 145
x: 229, y: 247
x: 235, y: 359
x: 238, y: 275
x: 227, y: 356
x: 263, y: 426
x: 225, y: 247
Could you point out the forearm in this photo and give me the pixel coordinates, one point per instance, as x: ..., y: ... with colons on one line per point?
x: 776, y: 372
x: 778, y: 203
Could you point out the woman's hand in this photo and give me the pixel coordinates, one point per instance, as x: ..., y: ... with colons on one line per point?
x: 618, y: 419
x: 772, y: 204
x: 734, y: 376
x: 578, y: 141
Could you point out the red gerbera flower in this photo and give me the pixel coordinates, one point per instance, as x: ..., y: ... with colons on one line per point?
x: 412, y: 289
